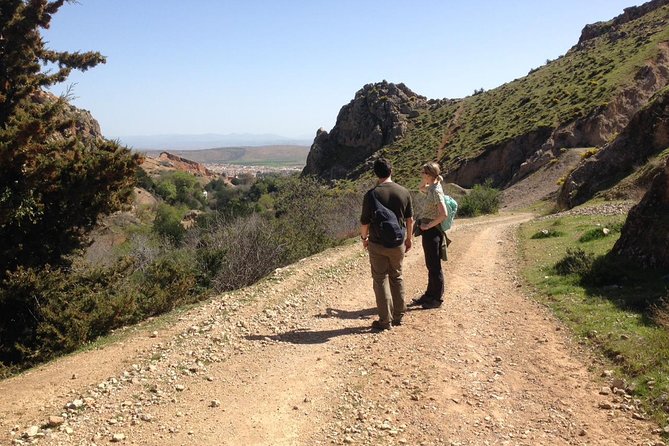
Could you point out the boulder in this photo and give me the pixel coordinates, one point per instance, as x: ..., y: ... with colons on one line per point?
x: 645, y: 235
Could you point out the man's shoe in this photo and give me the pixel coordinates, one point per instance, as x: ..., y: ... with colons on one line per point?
x: 435, y: 303
x: 377, y: 325
x: 396, y: 322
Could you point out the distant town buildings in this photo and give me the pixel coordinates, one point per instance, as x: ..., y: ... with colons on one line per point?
x: 235, y: 170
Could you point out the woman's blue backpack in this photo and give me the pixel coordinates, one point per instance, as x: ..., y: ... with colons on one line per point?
x: 452, y: 208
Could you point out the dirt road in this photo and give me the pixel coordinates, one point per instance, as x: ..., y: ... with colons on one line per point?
x: 291, y: 361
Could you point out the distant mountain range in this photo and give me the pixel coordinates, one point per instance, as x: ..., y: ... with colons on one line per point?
x: 208, y: 141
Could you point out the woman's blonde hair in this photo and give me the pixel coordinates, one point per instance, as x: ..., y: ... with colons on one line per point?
x: 433, y: 170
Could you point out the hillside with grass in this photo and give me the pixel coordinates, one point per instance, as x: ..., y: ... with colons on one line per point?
x: 584, y: 98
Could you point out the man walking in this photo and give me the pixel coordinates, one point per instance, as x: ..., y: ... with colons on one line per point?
x: 386, y: 262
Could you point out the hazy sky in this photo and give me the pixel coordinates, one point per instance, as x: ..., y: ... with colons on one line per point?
x: 287, y: 66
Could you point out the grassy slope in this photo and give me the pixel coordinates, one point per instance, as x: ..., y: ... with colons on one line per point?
x: 565, y: 89
x: 607, y: 318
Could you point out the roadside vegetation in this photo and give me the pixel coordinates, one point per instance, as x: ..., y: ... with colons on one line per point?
x: 247, y: 233
x: 481, y: 200
x: 57, y: 290
x: 610, y: 305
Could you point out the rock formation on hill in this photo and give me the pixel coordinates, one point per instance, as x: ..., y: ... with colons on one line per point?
x: 167, y: 162
x: 84, y: 126
x: 632, y: 13
x: 646, y: 135
x: 377, y: 116
x: 645, y: 236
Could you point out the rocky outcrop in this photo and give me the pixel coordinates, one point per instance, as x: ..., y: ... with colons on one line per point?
x: 632, y: 13
x: 170, y: 162
x: 645, y: 235
x: 646, y: 135
x: 377, y: 116
x: 84, y: 126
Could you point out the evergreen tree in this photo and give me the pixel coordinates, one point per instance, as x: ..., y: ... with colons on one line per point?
x: 54, y: 180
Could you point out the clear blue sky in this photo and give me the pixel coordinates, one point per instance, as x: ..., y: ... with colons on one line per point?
x: 287, y: 66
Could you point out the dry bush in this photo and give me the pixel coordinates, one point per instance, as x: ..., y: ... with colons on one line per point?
x: 240, y: 253
x: 343, y: 216
x: 144, y: 250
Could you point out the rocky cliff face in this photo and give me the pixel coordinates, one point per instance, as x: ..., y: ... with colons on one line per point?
x: 647, y: 134
x: 645, y: 236
x: 378, y: 115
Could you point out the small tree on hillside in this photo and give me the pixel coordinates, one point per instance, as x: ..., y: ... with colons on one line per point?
x: 54, y: 182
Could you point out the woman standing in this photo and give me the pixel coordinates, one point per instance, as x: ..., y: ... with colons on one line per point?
x: 433, y: 214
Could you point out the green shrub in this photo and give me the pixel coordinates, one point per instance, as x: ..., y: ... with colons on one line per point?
x: 594, y: 234
x: 481, y: 200
x: 45, y: 312
x: 168, y: 282
x: 167, y: 191
x: 304, y: 211
x: 588, y: 153
x: 576, y: 261
x: 180, y: 188
x: 600, y: 232
x: 547, y: 233
x: 168, y: 223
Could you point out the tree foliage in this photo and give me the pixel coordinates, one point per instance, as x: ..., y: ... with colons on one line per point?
x: 180, y: 188
x: 55, y: 179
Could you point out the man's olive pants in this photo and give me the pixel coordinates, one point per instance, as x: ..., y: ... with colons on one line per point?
x: 387, y: 263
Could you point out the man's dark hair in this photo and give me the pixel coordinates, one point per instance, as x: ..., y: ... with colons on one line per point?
x: 382, y: 168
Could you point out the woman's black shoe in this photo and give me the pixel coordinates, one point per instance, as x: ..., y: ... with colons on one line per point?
x: 419, y: 301
x: 434, y: 303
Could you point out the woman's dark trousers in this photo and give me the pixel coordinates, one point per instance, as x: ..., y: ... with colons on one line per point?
x: 435, y: 275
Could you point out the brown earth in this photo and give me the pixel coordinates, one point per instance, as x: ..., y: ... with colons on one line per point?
x: 292, y: 361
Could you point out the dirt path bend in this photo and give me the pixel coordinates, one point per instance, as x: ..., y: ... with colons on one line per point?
x: 291, y: 361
